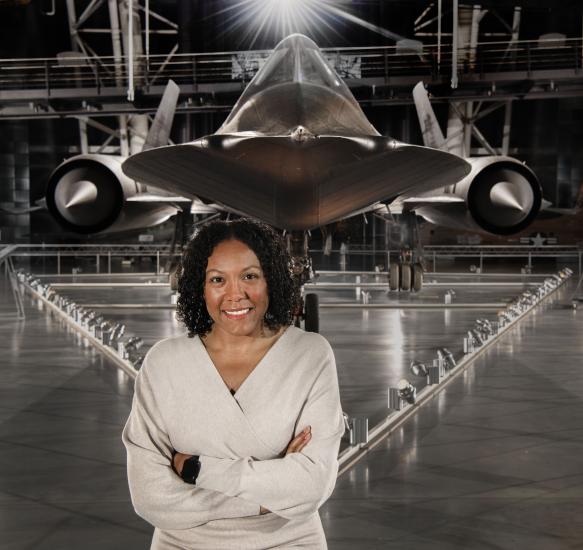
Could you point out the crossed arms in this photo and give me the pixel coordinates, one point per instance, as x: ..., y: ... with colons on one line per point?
x: 292, y: 487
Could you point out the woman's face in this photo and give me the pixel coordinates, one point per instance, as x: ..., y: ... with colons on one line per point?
x: 235, y: 290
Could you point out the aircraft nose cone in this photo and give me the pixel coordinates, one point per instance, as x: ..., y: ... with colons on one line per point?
x: 504, y: 195
x: 296, y: 40
x: 83, y: 192
x: 301, y: 134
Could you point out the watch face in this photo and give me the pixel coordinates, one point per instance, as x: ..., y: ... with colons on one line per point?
x: 190, y: 469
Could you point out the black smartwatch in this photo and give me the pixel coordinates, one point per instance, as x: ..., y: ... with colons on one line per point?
x: 190, y: 469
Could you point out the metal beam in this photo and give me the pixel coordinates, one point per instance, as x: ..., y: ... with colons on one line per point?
x: 89, y: 11
x: 480, y: 137
x: 115, y: 39
x: 105, y: 129
x: 454, y: 48
x: 163, y: 66
x: 506, y: 128
x: 130, y: 50
x: 439, y: 17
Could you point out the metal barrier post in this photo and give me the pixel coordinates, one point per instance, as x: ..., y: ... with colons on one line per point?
x: 12, y: 279
x: 358, y: 430
x: 47, y: 79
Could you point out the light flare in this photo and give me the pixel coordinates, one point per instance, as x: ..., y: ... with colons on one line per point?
x: 265, y: 20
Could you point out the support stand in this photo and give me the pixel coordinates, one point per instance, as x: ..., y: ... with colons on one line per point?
x: 10, y: 273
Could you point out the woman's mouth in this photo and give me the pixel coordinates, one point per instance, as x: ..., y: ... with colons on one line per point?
x: 237, y: 313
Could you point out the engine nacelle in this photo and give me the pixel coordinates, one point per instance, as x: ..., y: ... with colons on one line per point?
x: 88, y: 193
x: 501, y: 196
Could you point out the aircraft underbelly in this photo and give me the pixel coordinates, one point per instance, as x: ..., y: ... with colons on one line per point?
x: 294, y: 185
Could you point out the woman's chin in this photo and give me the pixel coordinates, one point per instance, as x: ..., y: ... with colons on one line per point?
x: 249, y: 326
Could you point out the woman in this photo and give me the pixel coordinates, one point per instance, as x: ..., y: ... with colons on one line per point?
x: 210, y: 461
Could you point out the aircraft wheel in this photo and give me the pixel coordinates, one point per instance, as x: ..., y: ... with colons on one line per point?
x: 406, y: 277
x: 312, y: 313
x: 417, y: 277
x: 394, y: 277
x: 173, y: 277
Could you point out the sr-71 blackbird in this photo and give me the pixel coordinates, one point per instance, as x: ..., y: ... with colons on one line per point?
x: 297, y: 152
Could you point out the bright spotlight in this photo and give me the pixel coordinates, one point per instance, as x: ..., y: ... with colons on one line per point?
x: 253, y: 20
x: 288, y: 15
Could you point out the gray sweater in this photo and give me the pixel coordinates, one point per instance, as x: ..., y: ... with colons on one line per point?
x: 181, y: 403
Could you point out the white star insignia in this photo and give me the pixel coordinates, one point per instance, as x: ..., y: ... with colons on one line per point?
x: 538, y: 240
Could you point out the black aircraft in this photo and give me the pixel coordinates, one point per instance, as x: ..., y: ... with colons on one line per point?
x: 297, y: 152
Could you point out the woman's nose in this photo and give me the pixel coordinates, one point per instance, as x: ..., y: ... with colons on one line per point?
x: 235, y: 289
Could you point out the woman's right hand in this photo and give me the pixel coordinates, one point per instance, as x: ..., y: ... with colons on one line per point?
x: 295, y: 446
x: 299, y: 442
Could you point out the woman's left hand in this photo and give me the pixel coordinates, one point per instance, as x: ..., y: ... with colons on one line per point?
x: 178, y: 462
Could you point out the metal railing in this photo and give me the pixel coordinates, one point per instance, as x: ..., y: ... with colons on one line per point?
x: 103, y: 74
x: 98, y: 258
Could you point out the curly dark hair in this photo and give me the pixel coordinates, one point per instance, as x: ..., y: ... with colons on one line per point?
x: 275, y: 261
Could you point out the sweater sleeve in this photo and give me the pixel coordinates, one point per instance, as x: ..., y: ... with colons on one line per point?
x: 158, y: 494
x: 296, y: 485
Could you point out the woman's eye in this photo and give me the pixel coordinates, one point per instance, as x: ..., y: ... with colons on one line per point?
x: 251, y: 276
x: 216, y: 279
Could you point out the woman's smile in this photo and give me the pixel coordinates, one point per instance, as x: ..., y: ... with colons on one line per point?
x: 237, y: 314
x: 235, y: 291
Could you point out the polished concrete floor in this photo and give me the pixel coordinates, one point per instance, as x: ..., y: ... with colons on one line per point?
x: 494, y: 462
x: 62, y: 464
x: 373, y: 347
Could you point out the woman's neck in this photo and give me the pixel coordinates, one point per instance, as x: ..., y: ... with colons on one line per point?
x: 221, y: 340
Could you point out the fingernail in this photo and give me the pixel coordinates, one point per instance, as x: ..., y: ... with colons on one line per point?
x: 306, y: 430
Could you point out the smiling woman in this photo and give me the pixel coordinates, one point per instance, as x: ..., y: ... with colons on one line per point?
x: 253, y: 245
x: 235, y: 428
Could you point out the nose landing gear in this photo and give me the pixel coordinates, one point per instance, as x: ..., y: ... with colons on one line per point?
x: 309, y: 309
x: 407, y: 273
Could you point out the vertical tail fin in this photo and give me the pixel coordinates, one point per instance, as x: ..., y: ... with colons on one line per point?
x: 159, y: 132
x: 432, y: 134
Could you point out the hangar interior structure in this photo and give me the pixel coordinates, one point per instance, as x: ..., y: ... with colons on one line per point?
x: 460, y: 380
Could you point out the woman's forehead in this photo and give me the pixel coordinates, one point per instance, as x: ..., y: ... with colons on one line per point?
x: 232, y: 253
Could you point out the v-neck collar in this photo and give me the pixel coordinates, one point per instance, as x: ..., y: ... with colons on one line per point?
x: 219, y: 378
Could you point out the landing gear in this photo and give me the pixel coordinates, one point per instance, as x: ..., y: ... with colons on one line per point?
x: 394, y: 277
x: 407, y: 273
x: 417, y: 277
x: 182, y: 220
x: 406, y: 277
x: 309, y: 309
x: 173, y: 277
x: 311, y: 313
